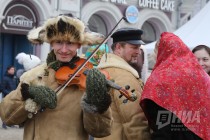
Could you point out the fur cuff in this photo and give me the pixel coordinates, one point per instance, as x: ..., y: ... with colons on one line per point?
x: 31, y: 106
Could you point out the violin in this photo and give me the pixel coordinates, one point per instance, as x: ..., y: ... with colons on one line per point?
x: 67, y: 77
x: 63, y: 74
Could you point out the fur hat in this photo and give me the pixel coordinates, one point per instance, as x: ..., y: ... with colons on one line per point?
x: 65, y: 28
x: 28, y: 61
x: 34, y: 36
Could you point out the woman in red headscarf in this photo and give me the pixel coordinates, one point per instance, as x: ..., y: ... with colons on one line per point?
x: 176, y: 96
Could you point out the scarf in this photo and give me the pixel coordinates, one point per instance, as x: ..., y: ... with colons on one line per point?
x: 55, y: 64
x: 179, y: 84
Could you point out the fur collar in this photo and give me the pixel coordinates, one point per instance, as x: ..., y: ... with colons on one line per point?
x: 112, y: 60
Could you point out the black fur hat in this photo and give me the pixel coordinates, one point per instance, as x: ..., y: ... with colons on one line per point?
x: 129, y: 35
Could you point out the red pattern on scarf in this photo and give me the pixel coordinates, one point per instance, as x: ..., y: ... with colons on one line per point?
x: 178, y: 83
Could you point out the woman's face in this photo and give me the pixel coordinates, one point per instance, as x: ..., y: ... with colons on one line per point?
x: 203, y: 59
x: 156, y: 49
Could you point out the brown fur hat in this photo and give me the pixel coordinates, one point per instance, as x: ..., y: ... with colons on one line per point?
x: 34, y: 35
x: 64, y: 28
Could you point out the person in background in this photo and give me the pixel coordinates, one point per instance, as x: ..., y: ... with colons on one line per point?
x: 104, y: 48
x: 9, y: 81
x: 141, y: 64
x: 70, y: 113
x: 28, y: 61
x: 9, y: 84
x: 129, y: 120
x: 202, y: 52
x: 176, y: 95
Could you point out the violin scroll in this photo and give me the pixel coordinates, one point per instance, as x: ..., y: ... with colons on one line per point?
x: 131, y: 96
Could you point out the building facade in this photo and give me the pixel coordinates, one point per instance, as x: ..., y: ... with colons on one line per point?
x: 17, y: 17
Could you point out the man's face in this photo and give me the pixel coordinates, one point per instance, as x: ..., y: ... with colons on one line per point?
x: 64, y: 50
x: 140, y: 59
x: 129, y: 52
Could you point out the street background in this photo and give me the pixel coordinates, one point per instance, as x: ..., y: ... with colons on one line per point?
x: 14, y: 133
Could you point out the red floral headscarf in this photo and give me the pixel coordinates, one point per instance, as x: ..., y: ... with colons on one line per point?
x: 178, y: 83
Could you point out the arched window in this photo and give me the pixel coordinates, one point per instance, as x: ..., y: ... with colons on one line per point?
x: 149, y: 34
x: 96, y: 24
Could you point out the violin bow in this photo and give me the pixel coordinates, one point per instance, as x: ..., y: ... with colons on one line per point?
x: 62, y: 87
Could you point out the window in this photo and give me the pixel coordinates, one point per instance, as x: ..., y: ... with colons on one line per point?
x: 149, y: 34
x: 96, y: 24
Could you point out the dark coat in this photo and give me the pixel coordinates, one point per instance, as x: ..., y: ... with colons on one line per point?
x: 9, y: 84
x: 174, y: 130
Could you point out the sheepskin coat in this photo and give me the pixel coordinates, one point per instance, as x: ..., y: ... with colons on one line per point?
x: 129, y: 121
x: 68, y: 121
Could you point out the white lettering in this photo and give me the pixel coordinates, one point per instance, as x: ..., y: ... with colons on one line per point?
x: 119, y: 1
x: 196, y: 117
x: 188, y: 116
x: 166, y: 5
x: 155, y: 4
x: 165, y: 117
x: 148, y: 3
x: 19, y: 20
x: 142, y: 3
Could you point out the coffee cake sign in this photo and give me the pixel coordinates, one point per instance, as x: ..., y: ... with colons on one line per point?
x: 165, y: 5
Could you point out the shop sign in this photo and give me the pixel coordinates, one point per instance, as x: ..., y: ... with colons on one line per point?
x: 132, y: 14
x: 18, y: 17
x: 116, y: 1
x: 164, y: 5
x: 19, y: 21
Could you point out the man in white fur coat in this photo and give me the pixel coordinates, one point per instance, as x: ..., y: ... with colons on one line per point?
x: 129, y: 120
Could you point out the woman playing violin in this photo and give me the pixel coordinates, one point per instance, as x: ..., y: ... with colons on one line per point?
x: 35, y: 102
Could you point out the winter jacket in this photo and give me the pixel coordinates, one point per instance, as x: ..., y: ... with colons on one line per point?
x: 129, y: 120
x: 9, y: 83
x: 67, y: 121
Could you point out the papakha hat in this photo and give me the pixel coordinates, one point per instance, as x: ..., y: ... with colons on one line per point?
x: 34, y: 36
x: 64, y: 28
x: 129, y: 35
